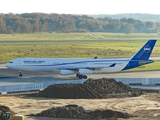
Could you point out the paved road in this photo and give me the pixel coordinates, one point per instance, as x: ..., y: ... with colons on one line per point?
x: 10, y: 77
x: 22, y: 41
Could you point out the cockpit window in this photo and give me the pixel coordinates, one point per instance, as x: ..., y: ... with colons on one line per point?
x: 10, y: 62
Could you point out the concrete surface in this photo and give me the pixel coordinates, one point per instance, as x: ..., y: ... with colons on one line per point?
x: 10, y: 77
x: 23, y: 41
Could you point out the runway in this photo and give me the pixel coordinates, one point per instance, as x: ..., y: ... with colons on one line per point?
x: 98, y: 40
x: 10, y: 77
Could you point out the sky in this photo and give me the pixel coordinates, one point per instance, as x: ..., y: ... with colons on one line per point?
x: 80, y: 6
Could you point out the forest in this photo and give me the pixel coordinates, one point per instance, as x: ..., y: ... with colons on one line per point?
x: 139, y: 16
x: 41, y: 22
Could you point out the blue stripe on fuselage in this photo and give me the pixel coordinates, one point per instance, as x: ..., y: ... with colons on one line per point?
x: 114, y: 61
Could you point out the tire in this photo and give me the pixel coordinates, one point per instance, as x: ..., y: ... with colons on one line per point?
x: 77, y: 75
x: 20, y: 75
x: 85, y: 77
x: 80, y: 76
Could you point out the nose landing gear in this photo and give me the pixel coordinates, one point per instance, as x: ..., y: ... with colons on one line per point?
x: 20, y: 74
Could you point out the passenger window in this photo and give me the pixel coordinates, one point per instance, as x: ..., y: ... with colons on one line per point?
x: 10, y: 62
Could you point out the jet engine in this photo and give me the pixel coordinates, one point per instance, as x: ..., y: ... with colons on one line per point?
x: 66, y: 72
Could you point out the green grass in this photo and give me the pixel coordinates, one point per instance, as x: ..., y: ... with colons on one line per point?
x: 10, y: 51
x: 79, y: 36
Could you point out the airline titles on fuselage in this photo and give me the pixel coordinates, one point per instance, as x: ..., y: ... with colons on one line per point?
x: 33, y: 62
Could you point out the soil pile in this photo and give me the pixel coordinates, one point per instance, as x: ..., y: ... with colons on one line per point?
x: 67, y: 91
x: 75, y: 111
x: 102, y: 88
x: 108, y: 86
x: 6, y: 109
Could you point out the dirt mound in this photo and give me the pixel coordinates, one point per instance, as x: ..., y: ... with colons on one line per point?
x: 7, y: 109
x: 75, y: 111
x: 102, y: 88
x: 107, y: 86
x: 67, y: 91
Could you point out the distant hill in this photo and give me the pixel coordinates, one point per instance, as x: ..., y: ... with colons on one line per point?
x: 40, y: 22
x: 138, y: 16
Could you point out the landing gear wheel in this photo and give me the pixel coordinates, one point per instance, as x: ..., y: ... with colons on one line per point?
x: 80, y: 76
x: 85, y: 77
x: 20, y: 74
x: 77, y: 75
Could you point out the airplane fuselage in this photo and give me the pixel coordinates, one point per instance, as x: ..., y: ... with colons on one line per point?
x: 57, y: 64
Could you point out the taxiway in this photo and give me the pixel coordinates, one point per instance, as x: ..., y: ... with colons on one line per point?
x: 10, y: 77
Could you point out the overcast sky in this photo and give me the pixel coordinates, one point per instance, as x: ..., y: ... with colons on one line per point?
x: 80, y: 6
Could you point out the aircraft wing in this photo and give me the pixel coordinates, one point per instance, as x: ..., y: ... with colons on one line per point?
x: 90, y: 67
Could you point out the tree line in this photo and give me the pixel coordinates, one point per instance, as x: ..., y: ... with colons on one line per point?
x: 40, y: 22
x: 139, y: 16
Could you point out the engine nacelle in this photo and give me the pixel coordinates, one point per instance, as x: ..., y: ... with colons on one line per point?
x: 85, y: 71
x: 66, y: 72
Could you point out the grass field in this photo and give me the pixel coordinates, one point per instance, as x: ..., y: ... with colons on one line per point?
x: 79, y: 36
x: 72, y: 49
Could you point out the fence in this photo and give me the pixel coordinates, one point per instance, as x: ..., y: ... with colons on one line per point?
x: 139, y: 81
x: 38, y: 86
x: 35, y: 86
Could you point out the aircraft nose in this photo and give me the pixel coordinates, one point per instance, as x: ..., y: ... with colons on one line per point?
x: 6, y: 65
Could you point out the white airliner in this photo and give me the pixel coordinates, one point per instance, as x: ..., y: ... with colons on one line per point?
x: 81, y: 66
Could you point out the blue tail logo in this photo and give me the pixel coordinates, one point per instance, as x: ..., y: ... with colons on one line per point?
x: 145, y: 52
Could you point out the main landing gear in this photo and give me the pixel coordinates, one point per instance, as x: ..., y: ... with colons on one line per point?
x: 20, y: 74
x: 81, y: 76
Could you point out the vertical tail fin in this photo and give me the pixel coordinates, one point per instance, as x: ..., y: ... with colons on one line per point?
x: 145, y: 52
